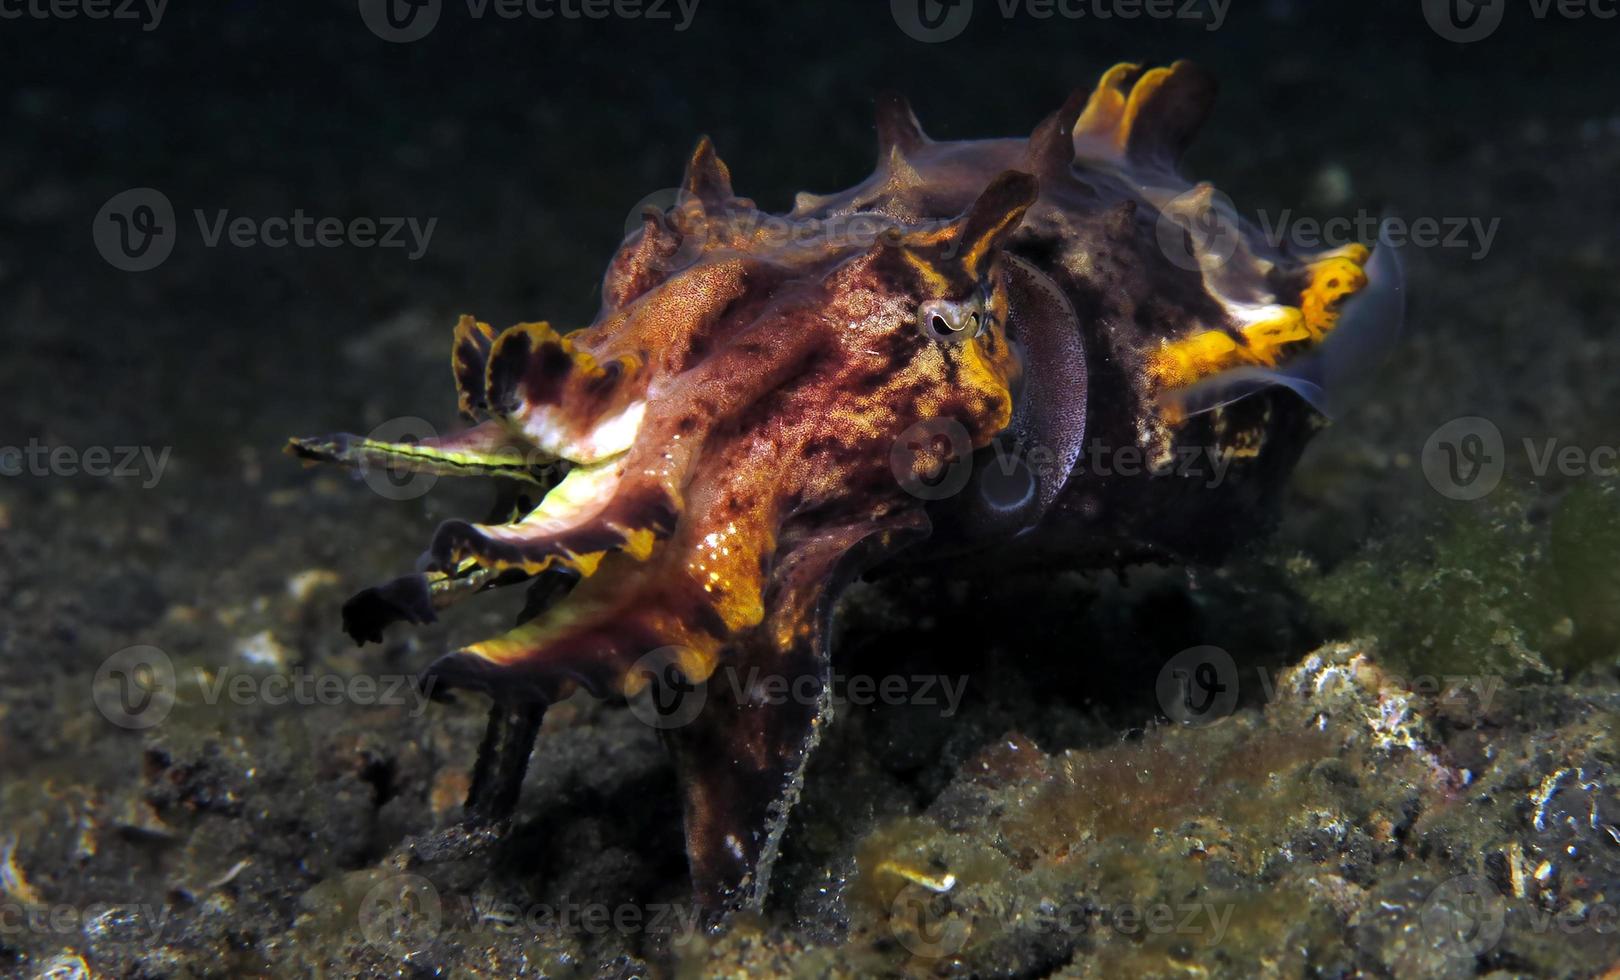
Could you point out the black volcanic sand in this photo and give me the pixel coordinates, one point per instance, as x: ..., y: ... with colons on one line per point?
x: 1419, y: 777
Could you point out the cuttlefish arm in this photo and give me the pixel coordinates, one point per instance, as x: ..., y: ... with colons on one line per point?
x: 672, y: 539
x: 741, y: 758
x: 490, y: 448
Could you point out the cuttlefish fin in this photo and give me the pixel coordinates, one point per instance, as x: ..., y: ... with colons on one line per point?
x: 741, y: 759
x: 559, y: 397
x: 1347, y: 317
x: 469, y: 356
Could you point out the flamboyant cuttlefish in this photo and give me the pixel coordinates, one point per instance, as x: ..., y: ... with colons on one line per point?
x: 767, y: 405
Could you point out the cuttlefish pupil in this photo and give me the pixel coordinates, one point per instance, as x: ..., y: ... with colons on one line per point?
x: 763, y: 408
x: 948, y: 320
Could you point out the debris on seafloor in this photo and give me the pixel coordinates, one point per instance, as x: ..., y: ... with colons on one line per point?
x: 1267, y: 837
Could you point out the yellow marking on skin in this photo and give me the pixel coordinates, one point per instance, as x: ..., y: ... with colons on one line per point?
x: 570, y: 505
x: 694, y: 653
x: 1266, y: 340
x: 509, y: 647
x: 467, y: 326
x: 984, y: 376
x: 468, y: 331
x: 1143, y: 90
x: 551, y: 427
x: 445, y: 590
x: 724, y: 565
x: 1107, y: 103
x: 937, y: 283
x: 1116, y: 104
x: 1332, y: 278
x: 1241, y: 434
x: 696, y: 664
x: 433, y: 456
x: 978, y: 249
x: 541, y: 332
x: 401, y: 451
x: 938, y: 884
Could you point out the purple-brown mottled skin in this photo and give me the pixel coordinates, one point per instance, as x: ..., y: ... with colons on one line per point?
x: 767, y: 405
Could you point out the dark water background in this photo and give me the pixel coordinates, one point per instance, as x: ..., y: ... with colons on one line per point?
x: 531, y: 140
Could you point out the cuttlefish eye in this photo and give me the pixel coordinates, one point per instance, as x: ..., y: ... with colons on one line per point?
x: 947, y: 320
